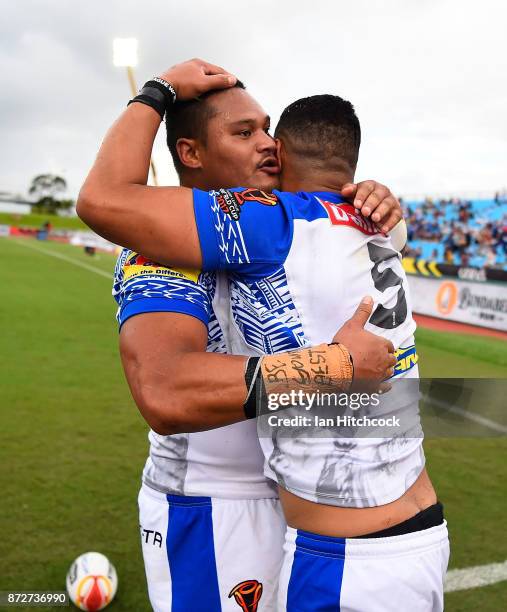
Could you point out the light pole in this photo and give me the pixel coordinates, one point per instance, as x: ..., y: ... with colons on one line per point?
x: 125, y: 55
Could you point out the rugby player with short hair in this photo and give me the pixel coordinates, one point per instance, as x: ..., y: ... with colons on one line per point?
x: 190, y: 158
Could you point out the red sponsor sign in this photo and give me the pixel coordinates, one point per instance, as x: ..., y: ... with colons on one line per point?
x: 345, y: 214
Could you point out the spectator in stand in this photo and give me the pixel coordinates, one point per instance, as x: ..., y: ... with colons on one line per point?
x: 459, y: 240
x: 456, y: 224
x: 491, y: 258
x: 502, y: 239
x: 465, y: 259
x: 434, y: 230
x: 464, y: 215
x: 448, y: 255
x: 485, y: 239
x: 445, y: 229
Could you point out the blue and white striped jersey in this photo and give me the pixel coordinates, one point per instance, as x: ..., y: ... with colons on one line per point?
x: 298, y: 266
x: 224, y: 462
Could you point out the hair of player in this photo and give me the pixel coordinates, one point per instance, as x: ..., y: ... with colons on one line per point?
x: 322, y: 128
x: 189, y: 119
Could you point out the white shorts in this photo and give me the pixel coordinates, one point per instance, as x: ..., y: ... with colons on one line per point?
x: 204, y: 554
x: 394, y: 574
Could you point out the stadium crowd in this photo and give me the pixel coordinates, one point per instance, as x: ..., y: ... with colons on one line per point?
x: 458, y: 231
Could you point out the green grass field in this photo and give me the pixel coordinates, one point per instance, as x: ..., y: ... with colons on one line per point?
x: 72, y: 444
x: 36, y: 220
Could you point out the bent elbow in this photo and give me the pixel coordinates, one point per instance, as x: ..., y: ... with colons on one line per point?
x: 86, y: 206
x: 165, y: 416
x: 97, y: 208
x: 163, y: 425
x: 162, y: 428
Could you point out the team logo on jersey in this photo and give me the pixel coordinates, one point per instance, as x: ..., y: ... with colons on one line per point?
x: 134, y: 259
x: 138, y: 265
x: 231, y: 201
x: 247, y: 595
x: 256, y: 195
x: 406, y: 358
x: 345, y: 214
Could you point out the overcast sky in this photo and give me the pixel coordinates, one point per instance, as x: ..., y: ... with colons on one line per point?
x: 428, y: 78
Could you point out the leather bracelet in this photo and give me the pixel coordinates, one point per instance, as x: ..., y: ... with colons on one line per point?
x: 325, y: 367
x: 321, y: 367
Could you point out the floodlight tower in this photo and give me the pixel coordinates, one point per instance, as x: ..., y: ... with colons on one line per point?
x: 125, y: 55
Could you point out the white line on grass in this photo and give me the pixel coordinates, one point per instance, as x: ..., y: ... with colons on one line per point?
x: 472, y: 416
x: 474, y: 577
x: 76, y: 262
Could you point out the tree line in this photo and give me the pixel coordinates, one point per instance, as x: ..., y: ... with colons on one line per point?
x: 47, y: 190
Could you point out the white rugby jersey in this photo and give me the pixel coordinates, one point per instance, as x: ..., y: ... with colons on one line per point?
x: 298, y: 266
x: 224, y: 462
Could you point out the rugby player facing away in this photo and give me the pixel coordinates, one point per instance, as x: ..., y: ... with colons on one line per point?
x: 288, y: 217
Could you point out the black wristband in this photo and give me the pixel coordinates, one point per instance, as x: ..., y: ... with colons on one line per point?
x: 158, y: 94
x: 255, y: 386
x: 150, y: 100
x: 168, y: 89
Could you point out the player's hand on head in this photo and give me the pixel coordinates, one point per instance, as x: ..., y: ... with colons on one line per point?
x: 195, y: 77
x: 376, y: 201
x: 373, y: 356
